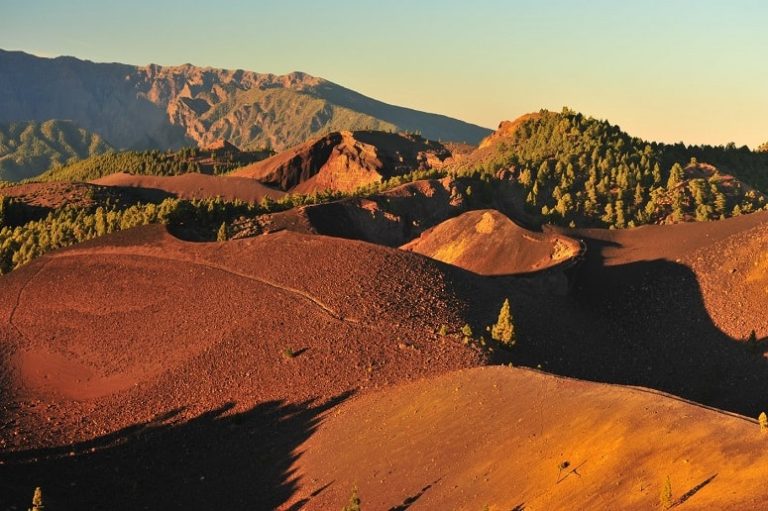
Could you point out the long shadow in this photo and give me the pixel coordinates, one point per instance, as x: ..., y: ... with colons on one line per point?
x: 693, y: 491
x: 218, y: 460
x: 409, y: 501
x: 645, y: 324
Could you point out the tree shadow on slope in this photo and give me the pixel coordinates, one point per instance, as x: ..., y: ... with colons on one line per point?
x: 217, y: 460
x: 646, y: 324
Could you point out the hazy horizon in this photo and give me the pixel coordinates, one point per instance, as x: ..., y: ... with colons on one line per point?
x: 684, y: 72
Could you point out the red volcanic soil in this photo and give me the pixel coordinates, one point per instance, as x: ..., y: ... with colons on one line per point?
x: 498, y: 437
x: 345, y: 161
x: 727, y: 258
x: 195, y: 186
x: 57, y: 194
x: 390, y: 218
x: 489, y: 243
x: 397, y: 216
x: 138, y: 364
x: 676, y: 303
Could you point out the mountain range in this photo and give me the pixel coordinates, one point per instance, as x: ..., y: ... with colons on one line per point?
x: 159, y: 107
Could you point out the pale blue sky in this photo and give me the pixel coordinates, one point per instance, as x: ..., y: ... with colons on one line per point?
x: 670, y: 70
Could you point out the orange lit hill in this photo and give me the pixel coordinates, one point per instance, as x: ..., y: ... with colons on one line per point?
x: 517, y: 439
x: 489, y: 243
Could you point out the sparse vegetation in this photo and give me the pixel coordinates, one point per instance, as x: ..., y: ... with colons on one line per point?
x: 504, y: 329
x: 70, y: 225
x: 762, y: 419
x: 37, y: 500
x: 354, y: 502
x: 665, y: 498
x: 466, y: 331
x: 289, y: 353
x: 222, y: 234
x: 443, y: 331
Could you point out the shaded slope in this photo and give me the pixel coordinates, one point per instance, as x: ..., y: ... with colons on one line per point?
x: 346, y: 161
x: 29, y: 148
x: 489, y: 243
x: 496, y: 436
x: 399, y: 215
x: 673, y: 314
x: 726, y: 258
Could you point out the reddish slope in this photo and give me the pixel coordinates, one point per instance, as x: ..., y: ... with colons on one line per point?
x: 57, y: 194
x: 195, y: 186
x: 346, y: 161
x: 496, y: 436
x: 489, y: 243
x: 116, y: 332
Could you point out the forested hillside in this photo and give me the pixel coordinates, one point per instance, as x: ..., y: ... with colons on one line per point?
x: 157, y: 163
x: 29, y: 148
x: 580, y: 171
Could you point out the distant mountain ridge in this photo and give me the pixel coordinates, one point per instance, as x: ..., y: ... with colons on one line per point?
x: 28, y: 148
x: 142, y: 107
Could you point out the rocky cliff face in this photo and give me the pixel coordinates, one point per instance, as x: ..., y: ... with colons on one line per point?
x: 165, y: 107
x: 345, y: 161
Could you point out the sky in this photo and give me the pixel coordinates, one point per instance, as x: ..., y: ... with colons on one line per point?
x: 673, y: 70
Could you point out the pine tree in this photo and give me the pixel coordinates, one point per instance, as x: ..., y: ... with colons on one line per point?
x: 675, y: 176
x: 665, y: 499
x: 37, y: 500
x: 222, y: 235
x: 504, y: 329
x: 354, y: 502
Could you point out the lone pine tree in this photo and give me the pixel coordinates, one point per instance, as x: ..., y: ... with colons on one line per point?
x: 504, y: 329
x: 665, y: 499
x: 222, y: 235
x: 37, y: 500
x: 354, y: 501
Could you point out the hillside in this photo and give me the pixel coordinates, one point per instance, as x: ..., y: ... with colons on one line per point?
x: 397, y: 215
x: 29, y: 148
x: 215, y: 159
x: 345, y: 161
x: 201, y: 356
x: 579, y: 171
x: 156, y: 107
x: 514, y: 439
x: 237, y: 368
x: 193, y: 186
